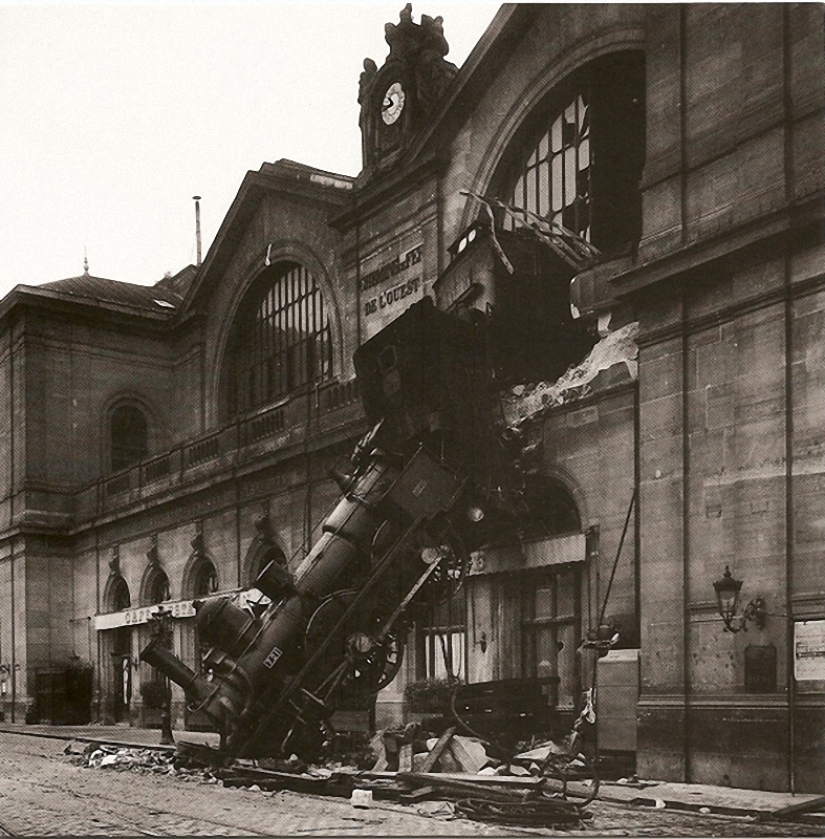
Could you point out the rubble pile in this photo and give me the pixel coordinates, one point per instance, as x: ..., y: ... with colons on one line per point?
x: 527, y: 402
x: 102, y: 756
x: 134, y: 759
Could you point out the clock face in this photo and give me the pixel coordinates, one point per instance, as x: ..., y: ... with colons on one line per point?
x: 393, y: 103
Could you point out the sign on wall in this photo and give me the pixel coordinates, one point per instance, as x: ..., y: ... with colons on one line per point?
x: 809, y: 651
x: 138, y: 615
x: 390, y: 282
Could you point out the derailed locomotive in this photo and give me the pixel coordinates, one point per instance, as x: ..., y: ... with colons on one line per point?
x: 409, y: 514
x: 432, y: 480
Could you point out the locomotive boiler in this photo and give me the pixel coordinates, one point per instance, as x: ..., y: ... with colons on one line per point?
x: 415, y: 496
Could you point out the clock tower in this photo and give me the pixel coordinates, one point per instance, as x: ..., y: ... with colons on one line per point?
x: 399, y: 98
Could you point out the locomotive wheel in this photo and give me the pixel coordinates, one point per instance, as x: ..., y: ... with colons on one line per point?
x: 369, y: 665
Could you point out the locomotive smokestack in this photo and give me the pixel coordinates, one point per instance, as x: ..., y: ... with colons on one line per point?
x: 197, y: 200
x: 170, y: 665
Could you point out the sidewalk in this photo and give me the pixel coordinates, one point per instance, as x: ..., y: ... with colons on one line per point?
x: 700, y: 798
x: 115, y: 735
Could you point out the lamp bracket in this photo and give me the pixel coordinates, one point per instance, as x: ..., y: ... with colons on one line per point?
x: 755, y: 611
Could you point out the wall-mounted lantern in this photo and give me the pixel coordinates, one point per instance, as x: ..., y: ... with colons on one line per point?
x: 727, y: 597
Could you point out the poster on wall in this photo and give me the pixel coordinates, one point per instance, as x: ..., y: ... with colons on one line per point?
x: 809, y: 651
x: 390, y: 283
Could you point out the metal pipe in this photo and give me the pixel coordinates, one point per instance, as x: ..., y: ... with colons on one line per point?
x: 172, y: 667
x: 197, y: 200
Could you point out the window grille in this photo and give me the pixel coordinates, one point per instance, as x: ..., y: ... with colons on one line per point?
x: 443, y: 634
x: 577, y: 161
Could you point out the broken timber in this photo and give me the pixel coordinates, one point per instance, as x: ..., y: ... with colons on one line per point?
x: 795, y: 810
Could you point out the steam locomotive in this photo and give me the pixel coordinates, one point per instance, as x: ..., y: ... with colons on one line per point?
x: 432, y: 480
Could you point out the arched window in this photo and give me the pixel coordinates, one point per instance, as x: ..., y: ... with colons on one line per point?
x: 158, y: 589
x: 204, y: 579
x: 267, y: 554
x: 129, y: 436
x: 281, y: 339
x: 119, y: 597
x: 578, y: 158
x: 552, y: 510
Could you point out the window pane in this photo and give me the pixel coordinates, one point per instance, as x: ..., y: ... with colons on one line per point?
x: 544, y: 189
x: 565, y: 605
x: 545, y: 652
x: 566, y: 667
x: 584, y: 154
x: 570, y: 170
x: 557, y: 184
x: 543, y: 599
x: 556, y: 141
x: 530, y: 202
x: 544, y: 146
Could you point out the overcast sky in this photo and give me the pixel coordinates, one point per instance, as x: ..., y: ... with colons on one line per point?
x: 112, y: 116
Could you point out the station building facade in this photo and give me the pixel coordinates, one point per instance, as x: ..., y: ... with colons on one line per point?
x: 661, y: 168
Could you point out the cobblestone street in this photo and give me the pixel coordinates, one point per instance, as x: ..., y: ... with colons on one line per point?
x: 43, y: 792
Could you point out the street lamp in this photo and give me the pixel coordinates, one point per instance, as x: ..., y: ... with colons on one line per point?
x: 162, y: 631
x: 727, y: 598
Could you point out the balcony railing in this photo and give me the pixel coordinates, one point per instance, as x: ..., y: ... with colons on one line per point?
x: 251, y: 436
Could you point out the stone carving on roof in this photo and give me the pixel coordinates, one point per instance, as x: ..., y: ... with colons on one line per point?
x: 417, y: 63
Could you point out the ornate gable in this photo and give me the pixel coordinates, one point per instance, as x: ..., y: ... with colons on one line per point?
x: 400, y: 97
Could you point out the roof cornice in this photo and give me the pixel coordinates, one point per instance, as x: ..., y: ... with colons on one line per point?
x: 49, y: 300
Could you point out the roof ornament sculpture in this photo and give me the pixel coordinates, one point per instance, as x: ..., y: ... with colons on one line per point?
x: 417, y: 59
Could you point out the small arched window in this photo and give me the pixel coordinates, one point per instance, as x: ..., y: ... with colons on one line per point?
x: 552, y: 509
x: 281, y: 339
x: 119, y: 596
x: 129, y: 436
x: 158, y: 589
x: 204, y: 579
x: 269, y: 554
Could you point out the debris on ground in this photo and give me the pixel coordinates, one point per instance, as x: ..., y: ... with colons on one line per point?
x: 101, y: 756
x: 448, y: 776
x: 633, y: 781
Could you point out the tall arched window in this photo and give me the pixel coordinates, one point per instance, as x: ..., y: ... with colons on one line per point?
x: 281, y: 339
x: 578, y: 159
x: 129, y: 436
